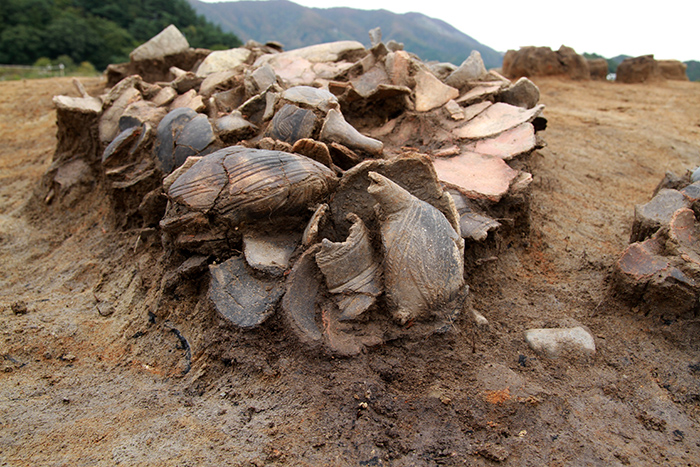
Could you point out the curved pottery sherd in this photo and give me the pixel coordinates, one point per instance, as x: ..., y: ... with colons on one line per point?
x: 242, y: 299
x: 291, y: 123
x: 423, y: 264
x: 351, y: 272
x: 239, y: 184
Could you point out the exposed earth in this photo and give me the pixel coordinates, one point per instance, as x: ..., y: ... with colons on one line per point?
x: 91, y: 375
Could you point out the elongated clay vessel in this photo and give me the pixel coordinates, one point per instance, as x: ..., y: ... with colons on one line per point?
x: 352, y: 274
x: 423, y: 264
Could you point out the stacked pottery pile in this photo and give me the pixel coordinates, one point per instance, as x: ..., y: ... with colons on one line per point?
x: 328, y: 183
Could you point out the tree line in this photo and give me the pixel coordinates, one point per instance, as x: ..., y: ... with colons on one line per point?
x: 96, y: 31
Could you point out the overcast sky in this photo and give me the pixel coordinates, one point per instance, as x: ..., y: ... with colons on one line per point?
x: 667, y: 28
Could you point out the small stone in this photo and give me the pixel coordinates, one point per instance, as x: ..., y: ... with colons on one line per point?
x: 240, y: 298
x: 431, y: 92
x: 19, y: 308
x: 169, y: 41
x: 190, y: 99
x: 553, y: 343
x: 375, y: 36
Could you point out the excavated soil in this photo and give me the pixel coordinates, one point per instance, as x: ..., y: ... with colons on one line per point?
x: 96, y: 368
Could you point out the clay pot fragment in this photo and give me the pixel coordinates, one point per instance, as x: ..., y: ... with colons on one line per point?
x: 423, y: 262
x: 239, y: 184
x: 352, y: 274
x: 291, y: 124
x: 336, y: 130
x: 181, y: 134
x: 242, y: 299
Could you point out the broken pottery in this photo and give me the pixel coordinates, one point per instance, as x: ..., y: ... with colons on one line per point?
x: 351, y: 271
x: 423, y: 263
x: 242, y: 299
x: 239, y: 184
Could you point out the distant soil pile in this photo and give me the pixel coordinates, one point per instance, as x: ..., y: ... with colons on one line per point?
x: 542, y: 61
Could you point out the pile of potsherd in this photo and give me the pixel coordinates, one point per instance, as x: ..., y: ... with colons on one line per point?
x: 660, y: 270
x: 333, y: 184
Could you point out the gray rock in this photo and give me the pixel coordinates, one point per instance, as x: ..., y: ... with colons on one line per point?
x: 695, y: 176
x: 240, y: 298
x: 554, y: 343
x: 269, y: 253
x: 169, y: 41
x: 394, y: 46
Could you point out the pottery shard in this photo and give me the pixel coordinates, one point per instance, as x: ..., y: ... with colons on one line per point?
x: 415, y: 173
x: 291, y: 124
x: 684, y: 236
x: 524, y: 93
x: 270, y: 254
x: 233, y: 127
x: 169, y: 41
x: 649, y: 217
x: 477, y: 176
x: 431, y: 92
x: 86, y: 105
x: 496, y: 119
x: 252, y: 183
x: 336, y: 130
x: 351, y: 272
x: 222, y: 60
x: 301, y: 297
x: 310, y: 97
x: 644, y: 276
x: 165, y: 96
x: 475, y: 226
x: 554, y: 343
x: 109, y: 123
x: 509, y: 144
x: 242, y: 299
x: 471, y: 69
x: 423, y: 259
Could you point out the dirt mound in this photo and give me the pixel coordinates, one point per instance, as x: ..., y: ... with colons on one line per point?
x: 542, y: 61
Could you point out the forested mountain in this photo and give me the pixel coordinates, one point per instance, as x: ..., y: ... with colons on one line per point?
x: 297, y: 26
x: 98, y: 31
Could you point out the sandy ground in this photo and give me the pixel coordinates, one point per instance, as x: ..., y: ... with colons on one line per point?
x: 96, y: 372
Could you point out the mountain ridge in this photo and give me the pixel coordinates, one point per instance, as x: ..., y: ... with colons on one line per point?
x: 297, y: 26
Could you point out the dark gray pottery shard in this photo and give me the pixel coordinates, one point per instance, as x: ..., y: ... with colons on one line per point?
x: 299, y: 303
x: 239, y: 184
x: 351, y: 272
x: 181, y: 134
x: 241, y: 298
x: 291, y: 124
x: 423, y: 263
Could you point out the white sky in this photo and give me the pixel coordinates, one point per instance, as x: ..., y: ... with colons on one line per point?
x: 669, y: 29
